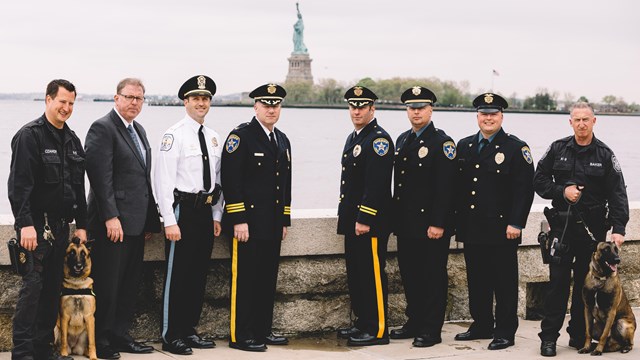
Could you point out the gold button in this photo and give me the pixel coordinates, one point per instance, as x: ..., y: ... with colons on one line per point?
x: 498, y: 171
x: 475, y: 179
x: 343, y: 169
x: 354, y: 164
x: 473, y: 206
x: 399, y: 185
x: 277, y: 201
x: 473, y: 192
x: 277, y: 173
x: 420, y: 164
x: 252, y: 206
x: 345, y: 155
x: 477, y: 166
x: 405, y: 159
x: 341, y: 196
x: 402, y: 172
x: 397, y: 197
x: 277, y: 187
x: 421, y: 210
x: 259, y: 164
x: 501, y: 216
x: 342, y: 182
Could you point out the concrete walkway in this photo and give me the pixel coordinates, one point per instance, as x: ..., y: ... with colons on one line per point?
x: 329, y: 348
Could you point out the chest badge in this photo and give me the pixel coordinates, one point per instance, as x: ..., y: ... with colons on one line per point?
x: 381, y: 146
x: 423, y: 152
x: 232, y: 143
x: 357, y: 150
x: 214, y: 141
x: 499, y: 158
x: 526, y: 154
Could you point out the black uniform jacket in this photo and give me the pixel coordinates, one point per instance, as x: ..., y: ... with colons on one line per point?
x: 424, y: 172
x: 593, y: 166
x: 494, y: 189
x: 47, y: 175
x: 256, y: 181
x: 120, y: 179
x: 365, y: 190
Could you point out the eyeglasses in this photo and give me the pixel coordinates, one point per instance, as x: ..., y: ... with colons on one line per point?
x: 130, y: 98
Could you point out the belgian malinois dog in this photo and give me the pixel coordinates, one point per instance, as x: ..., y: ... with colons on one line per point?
x: 75, y: 328
x: 608, y: 316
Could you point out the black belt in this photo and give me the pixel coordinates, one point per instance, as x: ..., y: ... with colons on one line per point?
x: 198, y: 200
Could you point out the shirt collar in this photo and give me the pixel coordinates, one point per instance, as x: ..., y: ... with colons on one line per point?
x: 125, y: 122
x: 264, y: 128
x: 419, y: 132
x: 194, y: 125
x: 480, y: 137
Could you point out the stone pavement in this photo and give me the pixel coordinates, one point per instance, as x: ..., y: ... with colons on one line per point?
x: 527, y: 346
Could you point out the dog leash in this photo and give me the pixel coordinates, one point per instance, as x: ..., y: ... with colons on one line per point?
x: 47, y: 234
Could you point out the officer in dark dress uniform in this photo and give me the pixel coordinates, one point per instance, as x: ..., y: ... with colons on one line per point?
x: 363, y: 218
x: 424, y: 170
x: 256, y: 178
x: 494, y: 195
x: 46, y: 188
x: 581, y: 175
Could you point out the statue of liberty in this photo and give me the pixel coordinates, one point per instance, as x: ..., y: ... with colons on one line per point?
x: 298, y: 35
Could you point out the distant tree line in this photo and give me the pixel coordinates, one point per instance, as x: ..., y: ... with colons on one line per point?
x: 450, y: 94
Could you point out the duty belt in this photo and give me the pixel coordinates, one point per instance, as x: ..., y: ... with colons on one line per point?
x: 198, y: 200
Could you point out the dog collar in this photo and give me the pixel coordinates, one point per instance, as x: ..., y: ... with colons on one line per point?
x: 67, y: 291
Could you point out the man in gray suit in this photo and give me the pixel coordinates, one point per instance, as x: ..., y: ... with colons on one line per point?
x: 122, y: 214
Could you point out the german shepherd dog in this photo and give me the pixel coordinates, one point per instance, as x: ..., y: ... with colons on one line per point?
x: 608, y: 316
x: 75, y: 328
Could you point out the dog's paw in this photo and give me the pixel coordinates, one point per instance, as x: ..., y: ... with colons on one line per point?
x: 584, y: 350
x: 626, y: 349
x: 596, y: 352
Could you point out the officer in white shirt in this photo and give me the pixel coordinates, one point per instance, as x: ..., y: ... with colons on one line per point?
x: 187, y: 184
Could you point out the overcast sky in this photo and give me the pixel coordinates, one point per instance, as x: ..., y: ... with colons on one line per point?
x: 582, y: 47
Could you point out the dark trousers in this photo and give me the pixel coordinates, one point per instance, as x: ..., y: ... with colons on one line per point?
x: 117, y: 273
x: 493, y: 270
x: 254, y: 274
x: 423, y: 267
x: 188, y: 263
x: 555, y: 307
x: 39, y: 297
x: 366, y: 258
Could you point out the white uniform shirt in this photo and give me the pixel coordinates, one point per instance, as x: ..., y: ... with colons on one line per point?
x: 179, y: 166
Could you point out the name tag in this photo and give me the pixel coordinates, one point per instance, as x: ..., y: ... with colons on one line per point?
x: 258, y: 154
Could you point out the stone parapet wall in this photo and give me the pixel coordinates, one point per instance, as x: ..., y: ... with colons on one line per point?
x: 312, y: 289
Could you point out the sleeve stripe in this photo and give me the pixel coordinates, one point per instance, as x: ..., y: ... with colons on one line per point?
x: 235, y: 211
x: 235, y: 206
x: 368, y: 210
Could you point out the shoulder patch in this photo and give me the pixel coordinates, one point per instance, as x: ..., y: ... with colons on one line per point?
x: 616, y: 164
x: 381, y: 146
x: 449, y: 150
x: 526, y: 154
x: 232, y: 143
x: 167, y: 142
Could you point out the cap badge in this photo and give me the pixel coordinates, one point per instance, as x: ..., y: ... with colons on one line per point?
x: 271, y: 89
x: 423, y: 152
x: 416, y: 90
x: 499, y: 158
x: 449, y: 150
x: 202, y: 82
x: 357, y: 91
x: 357, y: 150
x: 488, y: 98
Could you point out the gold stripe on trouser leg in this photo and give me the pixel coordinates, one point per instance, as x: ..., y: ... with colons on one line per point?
x: 234, y: 288
x: 378, y: 280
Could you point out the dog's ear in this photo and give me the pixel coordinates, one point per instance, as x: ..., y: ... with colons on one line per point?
x: 89, y: 243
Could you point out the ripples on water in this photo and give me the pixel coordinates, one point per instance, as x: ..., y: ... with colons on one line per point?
x: 317, y: 138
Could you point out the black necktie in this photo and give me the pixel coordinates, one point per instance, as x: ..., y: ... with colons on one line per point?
x: 272, y: 139
x: 410, y: 138
x: 206, y: 174
x: 484, y: 143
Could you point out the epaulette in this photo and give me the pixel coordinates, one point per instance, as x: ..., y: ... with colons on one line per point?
x: 175, y: 126
x: 516, y: 139
x: 242, y: 126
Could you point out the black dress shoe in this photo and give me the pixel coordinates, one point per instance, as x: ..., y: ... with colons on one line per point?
x: 276, y: 340
x: 106, y: 352
x: 365, y: 339
x: 248, y: 345
x: 548, y: 348
x: 133, y: 347
x: 177, y: 347
x: 402, y: 333
x: 576, y: 343
x: 197, y: 342
x: 346, y: 333
x: 426, y: 340
x: 473, y: 335
x: 500, y: 343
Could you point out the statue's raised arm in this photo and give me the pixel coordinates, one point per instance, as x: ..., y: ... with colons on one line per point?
x: 298, y: 35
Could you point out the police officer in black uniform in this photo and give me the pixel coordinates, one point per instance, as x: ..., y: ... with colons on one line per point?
x: 582, y: 176
x: 363, y: 218
x: 46, y: 190
x: 424, y: 170
x: 494, y: 195
x: 256, y: 178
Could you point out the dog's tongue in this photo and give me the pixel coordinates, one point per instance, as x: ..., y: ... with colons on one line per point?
x: 613, y: 267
